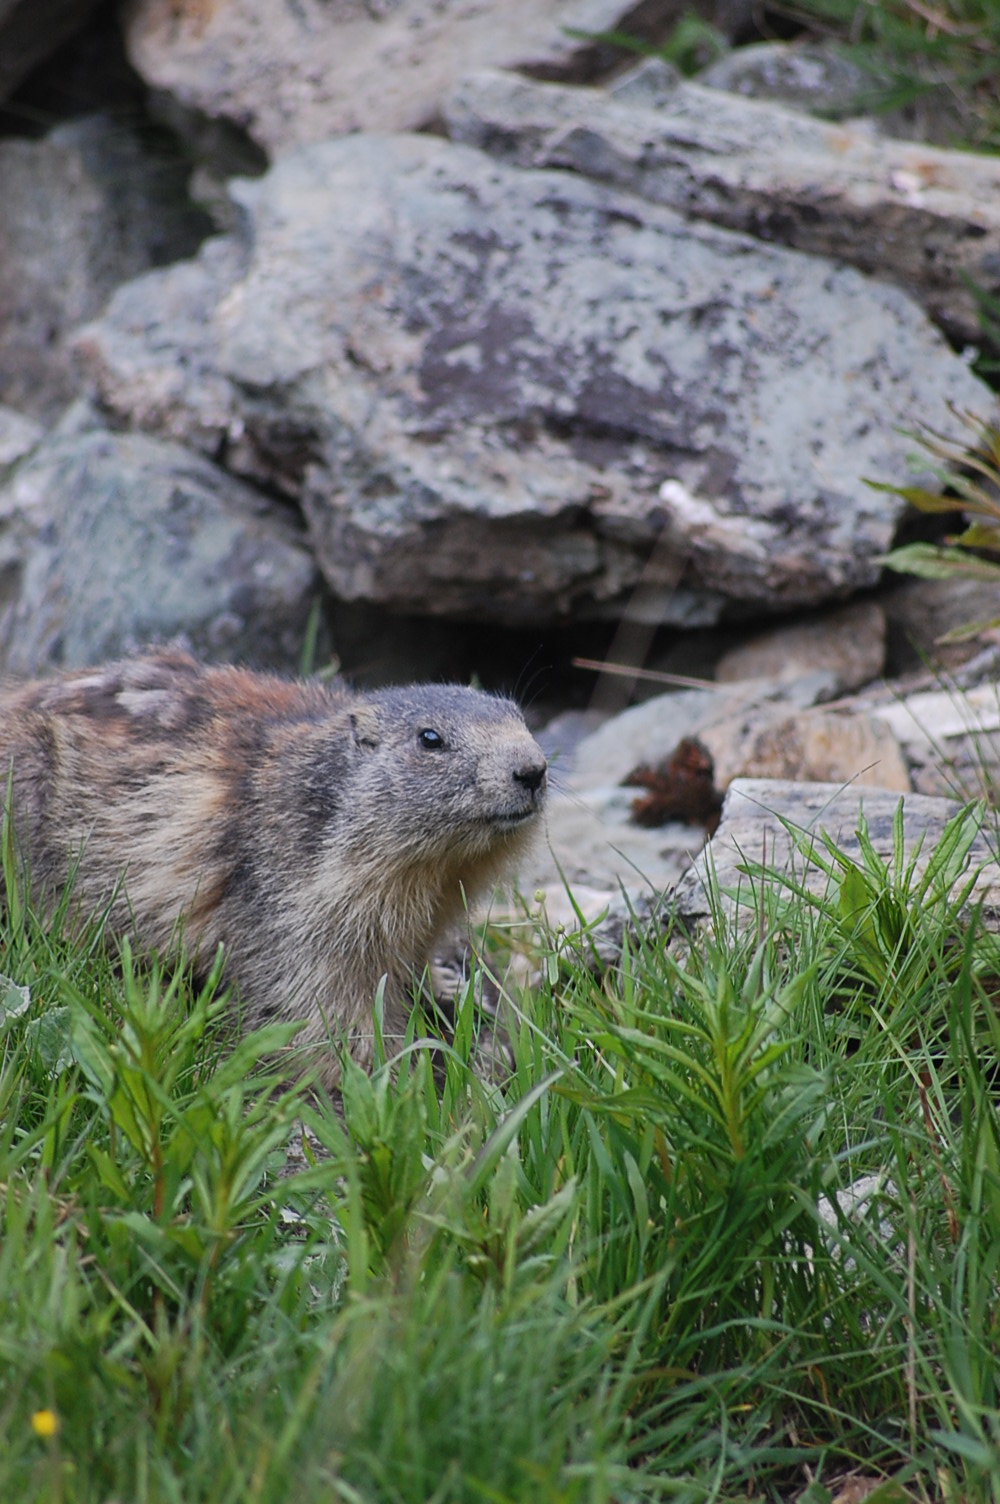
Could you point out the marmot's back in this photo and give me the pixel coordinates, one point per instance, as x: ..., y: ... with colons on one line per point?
x: 325, y: 838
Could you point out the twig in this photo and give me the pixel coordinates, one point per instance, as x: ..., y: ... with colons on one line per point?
x: 655, y: 676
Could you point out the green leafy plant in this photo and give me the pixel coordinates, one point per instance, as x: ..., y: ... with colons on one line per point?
x: 693, y: 43
x: 970, y: 484
x: 731, y: 1225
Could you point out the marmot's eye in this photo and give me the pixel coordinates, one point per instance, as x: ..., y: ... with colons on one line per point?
x: 430, y: 738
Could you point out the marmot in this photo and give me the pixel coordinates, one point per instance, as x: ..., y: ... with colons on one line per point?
x: 325, y: 837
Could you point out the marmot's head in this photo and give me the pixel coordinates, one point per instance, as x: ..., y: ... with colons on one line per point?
x: 447, y: 773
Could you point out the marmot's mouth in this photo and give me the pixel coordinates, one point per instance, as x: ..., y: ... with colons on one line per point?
x: 511, y: 819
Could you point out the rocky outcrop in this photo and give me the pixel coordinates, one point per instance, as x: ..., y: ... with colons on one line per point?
x: 112, y: 542
x: 524, y: 382
x: 759, y: 730
x: 543, y: 388
x: 922, y: 217
x: 623, y: 840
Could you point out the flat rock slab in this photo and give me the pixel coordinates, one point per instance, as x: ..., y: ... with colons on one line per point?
x: 753, y: 832
x: 292, y: 73
x: 112, y: 542
x: 541, y: 387
x: 925, y: 218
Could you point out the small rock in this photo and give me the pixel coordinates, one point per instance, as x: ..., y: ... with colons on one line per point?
x: 951, y: 739
x: 111, y: 542
x: 814, y: 75
x: 848, y: 645
x: 759, y: 813
x: 811, y: 746
x: 920, y: 612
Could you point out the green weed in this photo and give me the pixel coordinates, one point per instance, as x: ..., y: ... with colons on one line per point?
x: 732, y: 1224
x: 947, y: 53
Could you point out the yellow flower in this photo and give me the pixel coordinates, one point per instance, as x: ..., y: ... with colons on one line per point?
x: 45, y: 1423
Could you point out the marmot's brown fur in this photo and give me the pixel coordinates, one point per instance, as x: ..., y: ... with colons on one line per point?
x: 324, y: 837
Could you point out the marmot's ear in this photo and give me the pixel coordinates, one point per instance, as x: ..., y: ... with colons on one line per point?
x: 364, y: 725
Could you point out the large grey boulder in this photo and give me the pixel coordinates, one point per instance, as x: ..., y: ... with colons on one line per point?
x: 923, y: 217
x: 111, y: 542
x: 541, y: 387
x: 289, y: 74
x: 81, y: 210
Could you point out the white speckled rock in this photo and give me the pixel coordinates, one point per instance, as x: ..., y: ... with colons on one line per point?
x: 925, y: 218
x: 290, y: 73
x: 543, y: 388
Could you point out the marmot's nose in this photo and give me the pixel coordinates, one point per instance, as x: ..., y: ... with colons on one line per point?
x: 531, y: 774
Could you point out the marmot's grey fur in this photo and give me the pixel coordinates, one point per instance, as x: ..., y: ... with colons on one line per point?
x: 324, y: 837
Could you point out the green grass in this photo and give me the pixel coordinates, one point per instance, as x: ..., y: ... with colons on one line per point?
x: 939, y: 51
x: 968, y: 476
x: 638, y: 1271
